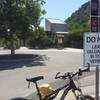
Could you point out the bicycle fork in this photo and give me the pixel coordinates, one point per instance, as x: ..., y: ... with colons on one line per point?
x: 80, y: 96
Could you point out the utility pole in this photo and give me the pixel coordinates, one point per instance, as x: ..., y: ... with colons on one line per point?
x: 94, y: 4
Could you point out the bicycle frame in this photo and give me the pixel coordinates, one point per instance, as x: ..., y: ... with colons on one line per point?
x: 70, y: 86
x: 67, y: 87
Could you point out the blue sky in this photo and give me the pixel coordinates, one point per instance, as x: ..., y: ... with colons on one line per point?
x: 61, y: 9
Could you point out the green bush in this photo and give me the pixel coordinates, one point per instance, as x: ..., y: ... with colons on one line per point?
x: 74, y: 41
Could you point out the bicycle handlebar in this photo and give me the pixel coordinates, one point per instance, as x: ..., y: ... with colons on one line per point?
x: 79, y: 73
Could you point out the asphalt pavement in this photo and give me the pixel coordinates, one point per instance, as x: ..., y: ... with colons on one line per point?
x: 85, y: 84
x: 48, y: 63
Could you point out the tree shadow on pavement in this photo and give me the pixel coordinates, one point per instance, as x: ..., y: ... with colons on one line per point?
x: 19, y: 60
x: 20, y: 99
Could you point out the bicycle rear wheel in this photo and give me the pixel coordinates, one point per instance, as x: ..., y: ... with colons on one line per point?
x: 86, y: 97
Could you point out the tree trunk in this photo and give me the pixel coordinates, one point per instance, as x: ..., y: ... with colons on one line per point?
x: 24, y: 42
x: 12, y: 46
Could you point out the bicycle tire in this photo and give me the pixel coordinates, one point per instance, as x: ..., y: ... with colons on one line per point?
x: 86, y: 97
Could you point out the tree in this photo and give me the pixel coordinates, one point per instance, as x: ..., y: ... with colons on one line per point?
x: 39, y: 38
x: 18, y: 17
x: 78, y: 22
x: 34, y: 14
x: 77, y: 29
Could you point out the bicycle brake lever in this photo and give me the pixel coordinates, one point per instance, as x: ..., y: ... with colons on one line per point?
x: 57, y: 75
x: 80, y: 72
x: 28, y: 84
x: 88, y: 67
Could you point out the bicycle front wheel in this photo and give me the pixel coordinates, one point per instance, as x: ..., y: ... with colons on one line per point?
x: 86, y: 97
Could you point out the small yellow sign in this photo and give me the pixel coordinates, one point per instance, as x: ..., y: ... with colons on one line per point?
x: 60, y: 40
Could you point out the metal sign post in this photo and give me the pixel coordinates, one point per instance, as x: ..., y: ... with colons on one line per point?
x: 97, y: 83
x: 95, y: 28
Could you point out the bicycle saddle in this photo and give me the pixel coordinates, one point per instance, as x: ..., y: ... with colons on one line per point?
x: 34, y: 79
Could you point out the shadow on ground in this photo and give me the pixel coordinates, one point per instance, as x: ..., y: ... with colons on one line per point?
x: 20, y: 99
x: 19, y: 60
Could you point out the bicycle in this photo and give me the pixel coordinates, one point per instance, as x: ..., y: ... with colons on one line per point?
x: 67, y: 87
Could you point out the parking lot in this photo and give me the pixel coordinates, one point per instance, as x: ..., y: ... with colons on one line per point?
x: 48, y: 63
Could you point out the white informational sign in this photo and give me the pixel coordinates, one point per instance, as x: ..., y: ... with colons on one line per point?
x: 91, y: 49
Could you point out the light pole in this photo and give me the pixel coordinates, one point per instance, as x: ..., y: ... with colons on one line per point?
x: 8, y: 33
x: 10, y: 36
x: 8, y: 30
